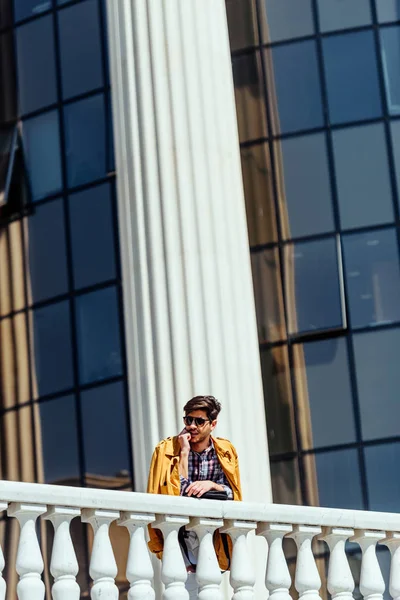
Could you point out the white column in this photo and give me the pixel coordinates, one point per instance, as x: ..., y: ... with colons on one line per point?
x: 208, y: 573
x: 189, y: 308
x: 372, y: 584
x: 173, y: 570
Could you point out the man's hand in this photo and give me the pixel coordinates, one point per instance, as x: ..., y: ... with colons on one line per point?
x: 198, y: 488
x: 184, y: 438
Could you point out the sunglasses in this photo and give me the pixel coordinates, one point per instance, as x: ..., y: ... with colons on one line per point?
x: 198, y: 420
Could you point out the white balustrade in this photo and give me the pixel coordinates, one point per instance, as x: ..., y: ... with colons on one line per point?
x: 208, y: 573
x: 29, y: 563
x: 173, y: 570
x: 103, y: 567
x: 240, y: 520
x: 242, y: 576
x: 3, y: 586
x: 64, y: 565
x: 340, y: 578
x: 393, y: 543
x: 277, y: 577
x: 372, y: 584
x: 307, y: 580
x: 139, y: 570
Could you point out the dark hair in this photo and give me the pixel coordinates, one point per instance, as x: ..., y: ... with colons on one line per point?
x: 207, y: 403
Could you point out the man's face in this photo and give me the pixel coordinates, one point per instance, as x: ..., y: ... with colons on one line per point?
x: 199, y: 433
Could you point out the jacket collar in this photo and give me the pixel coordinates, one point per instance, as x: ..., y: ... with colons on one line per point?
x: 173, y: 448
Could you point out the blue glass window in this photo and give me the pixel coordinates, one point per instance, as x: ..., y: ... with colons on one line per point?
x: 334, y: 14
x: 352, y: 77
x: 80, y: 44
x: 41, y: 141
x: 86, y: 140
x: 305, y: 186
x: 98, y: 335
x: 92, y: 235
x: 294, y: 79
x: 36, y: 65
x: 327, y: 418
x: 313, y: 292
x: 382, y: 464
x: 390, y: 47
x: 362, y: 176
x: 334, y: 471
x: 105, y: 431
x: 268, y: 295
x: 378, y: 381
x: 287, y: 19
x: 388, y: 10
x: 373, y: 277
x: 27, y: 8
x: 58, y: 431
x: 47, y: 252
x: 52, y: 358
x: 395, y: 134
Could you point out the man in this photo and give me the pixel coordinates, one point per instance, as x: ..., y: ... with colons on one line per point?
x: 192, y: 464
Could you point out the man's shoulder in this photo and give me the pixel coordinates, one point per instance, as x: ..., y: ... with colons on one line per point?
x: 167, y: 446
x: 224, y: 445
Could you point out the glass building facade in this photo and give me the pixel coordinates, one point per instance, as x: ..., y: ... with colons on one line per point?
x: 317, y: 86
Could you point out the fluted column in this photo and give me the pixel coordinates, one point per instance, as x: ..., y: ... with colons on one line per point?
x: 189, y: 307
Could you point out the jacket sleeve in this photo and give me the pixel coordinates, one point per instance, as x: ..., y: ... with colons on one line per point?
x: 237, y: 494
x: 156, y: 542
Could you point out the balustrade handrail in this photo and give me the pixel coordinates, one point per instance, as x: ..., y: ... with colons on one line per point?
x: 28, y: 502
x: 127, y: 501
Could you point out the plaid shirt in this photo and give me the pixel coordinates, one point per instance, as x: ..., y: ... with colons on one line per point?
x: 205, y: 466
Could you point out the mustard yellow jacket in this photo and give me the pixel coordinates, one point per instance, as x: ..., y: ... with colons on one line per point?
x: 164, y: 479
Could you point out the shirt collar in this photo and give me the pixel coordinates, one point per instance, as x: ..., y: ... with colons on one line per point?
x: 206, y: 450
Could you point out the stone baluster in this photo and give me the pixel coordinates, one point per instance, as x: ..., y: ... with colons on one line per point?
x: 29, y: 563
x: 139, y: 570
x: 277, y: 577
x: 340, y: 579
x: 307, y: 580
x: 3, y: 587
x: 242, y: 576
x: 173, y: 569
x: 103, y: 568
x: 208, y: 573
x: 372, y: 584
x: 393, y: 543
x: 64, y: 565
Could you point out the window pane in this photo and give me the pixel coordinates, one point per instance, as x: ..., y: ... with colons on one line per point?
x: 85, y: 140
x: 242, y: 23
x: 36, y: 65
x: 80, y: 44
x: 388, y: 10
x: 59, y: 444
x: 47, y: 252
x: 250, y: 107
x: 362, y: 176
x: 268, y: 295
x: 373, y: 277
x: 41, y: 140
x: 105, y: 434
x: 334, y: 15
x: 326, y: 418
x: 8, y: 76
x: 378, y: 381
x: 285, y: 479
x: 98, y: 335
x: 92, y: 235
x: 334, y: 470
x: 27, y: 8
x: 395, y: 133
x: 390, y: 46
x: 14, y: 361
x: 382, y: 464
x: 305, y: 192
x: 278, y: 400
x: 352, y: 77
x: 294, y: 87
x: 5, y: 14
x: 52, y: 360
x: 285, y: 19
x: 313, y: 296
x: 259, y: 195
